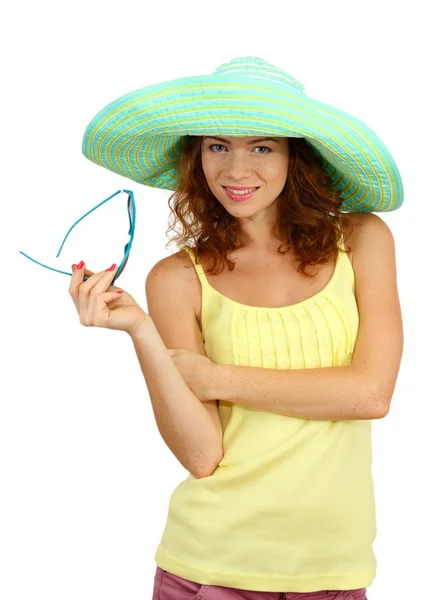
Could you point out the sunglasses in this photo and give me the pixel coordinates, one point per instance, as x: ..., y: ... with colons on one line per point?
x: 131, y: 207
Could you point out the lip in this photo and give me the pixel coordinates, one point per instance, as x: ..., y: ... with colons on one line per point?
x: 239, y: 197
x: 240, y: 187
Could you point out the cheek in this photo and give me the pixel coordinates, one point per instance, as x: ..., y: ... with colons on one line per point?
x: 205, y: 162
x: 209, y: 166
x: 276, y: 170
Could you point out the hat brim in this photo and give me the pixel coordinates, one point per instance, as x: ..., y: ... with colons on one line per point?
x: 139, y: 135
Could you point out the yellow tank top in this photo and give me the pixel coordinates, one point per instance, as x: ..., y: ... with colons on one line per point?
x: 290, y: 507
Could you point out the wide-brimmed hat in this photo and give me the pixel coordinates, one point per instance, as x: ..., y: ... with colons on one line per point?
x: 141, y: 134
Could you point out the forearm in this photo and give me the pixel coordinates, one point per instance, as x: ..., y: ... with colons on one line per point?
x: 182, y: 420
x: 326, y: 393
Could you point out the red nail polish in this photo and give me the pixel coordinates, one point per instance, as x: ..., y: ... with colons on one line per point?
x: 111, y: 268
x: 80, y: 265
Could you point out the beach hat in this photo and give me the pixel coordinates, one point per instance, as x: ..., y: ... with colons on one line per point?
x: 141, y: 134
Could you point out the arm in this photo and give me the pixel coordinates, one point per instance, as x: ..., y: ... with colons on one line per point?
x: 362, y: 390
x: 191, y: 429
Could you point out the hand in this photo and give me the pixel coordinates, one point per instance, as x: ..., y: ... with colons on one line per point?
x: 93, y: 297
x: 197, y: 370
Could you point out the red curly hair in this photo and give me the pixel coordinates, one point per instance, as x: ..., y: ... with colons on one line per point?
x: 309, y: 220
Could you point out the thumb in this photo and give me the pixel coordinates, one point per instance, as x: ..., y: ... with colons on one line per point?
x: 109, y: 296
x: 104, y: 298
x: 102, y: 310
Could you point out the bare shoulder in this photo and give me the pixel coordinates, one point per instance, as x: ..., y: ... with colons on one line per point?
x: 176, y: 276
x: 177, y: 267
x: 366, y: 222
x: 369, y: 231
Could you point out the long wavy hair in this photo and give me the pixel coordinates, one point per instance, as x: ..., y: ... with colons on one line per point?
x: 309, y: 220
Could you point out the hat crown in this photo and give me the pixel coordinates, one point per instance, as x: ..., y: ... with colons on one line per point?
x: 253, y: 66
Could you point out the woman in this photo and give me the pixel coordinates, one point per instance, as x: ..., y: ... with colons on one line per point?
x: 266, y: 366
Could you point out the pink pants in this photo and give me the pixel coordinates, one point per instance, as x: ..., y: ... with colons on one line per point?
x: 171, y: 587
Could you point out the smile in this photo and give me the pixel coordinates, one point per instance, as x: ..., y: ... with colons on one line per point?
x: 239, y: 194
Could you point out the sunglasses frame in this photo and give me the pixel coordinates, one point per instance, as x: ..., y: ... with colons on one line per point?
x: 131, y: 208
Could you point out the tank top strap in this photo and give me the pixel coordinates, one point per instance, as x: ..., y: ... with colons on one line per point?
x: 341, y: 242
x: 344, y: 265
x: 192, y: 256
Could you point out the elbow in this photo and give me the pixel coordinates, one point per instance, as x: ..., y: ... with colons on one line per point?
x: 211, y: 468
x: 375, y: 397
x: 382, y: 400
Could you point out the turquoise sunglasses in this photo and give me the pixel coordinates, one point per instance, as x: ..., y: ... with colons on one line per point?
x: 131, y: 207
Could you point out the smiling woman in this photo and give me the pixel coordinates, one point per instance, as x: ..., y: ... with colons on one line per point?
x: 266, y: 398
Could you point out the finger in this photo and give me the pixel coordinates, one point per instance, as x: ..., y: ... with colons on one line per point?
x: 101, y: 282
x: 76, y: 279
x: 84, y: 291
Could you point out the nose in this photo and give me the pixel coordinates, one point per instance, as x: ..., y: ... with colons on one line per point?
x: 238, y: 167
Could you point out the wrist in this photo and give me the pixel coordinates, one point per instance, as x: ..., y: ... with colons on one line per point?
x: 141, y: 328
x: 216, y: 380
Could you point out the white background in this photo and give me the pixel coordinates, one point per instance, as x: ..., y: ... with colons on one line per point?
x: 85, y: 476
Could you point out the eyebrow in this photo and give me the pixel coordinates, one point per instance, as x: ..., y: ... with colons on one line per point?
x: 251, y: 142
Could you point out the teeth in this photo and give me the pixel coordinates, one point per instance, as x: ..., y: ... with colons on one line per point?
x: 241, y: 192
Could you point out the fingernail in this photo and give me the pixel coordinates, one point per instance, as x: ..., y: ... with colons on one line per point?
x: 80, y: 265
x: 111, y: 268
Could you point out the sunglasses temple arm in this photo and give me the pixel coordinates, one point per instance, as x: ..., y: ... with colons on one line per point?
x: 81, y: 218
x: 46, y: 266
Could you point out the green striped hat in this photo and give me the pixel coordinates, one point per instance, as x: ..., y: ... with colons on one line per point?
x: 140, y: 135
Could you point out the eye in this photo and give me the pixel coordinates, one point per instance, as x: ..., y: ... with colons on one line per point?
x: 222, y: 146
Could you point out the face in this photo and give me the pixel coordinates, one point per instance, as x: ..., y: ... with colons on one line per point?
x: 245, y: 162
